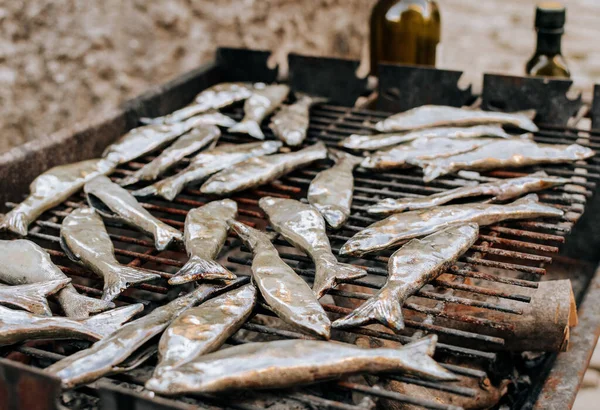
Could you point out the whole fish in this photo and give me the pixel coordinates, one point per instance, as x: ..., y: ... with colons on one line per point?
x: 381, y: 141
x: 32, y: 297
x: 50, y: 189
x: 24, y: 262
x: 205, y: 233
x: 500, y: 190
x: 17, y: 326
x: 303, y: 226
x: 288, y: 363
x: 113, y: 202
x: 261, y: 170
x: 331, y: 190
x: 215, y: 97
x: 421, y: 149
x: 428, y: 116
x: 290, y: 123
x: 84, y: 239
x: 263, y: 102
x: 409, y: 269
x: 286, y: 294
x: 504, y: 154
x: 185, y: 145
x: 207, y: 163
x: 107, y: 354
x: 399, y: 227
x: 203, y: 329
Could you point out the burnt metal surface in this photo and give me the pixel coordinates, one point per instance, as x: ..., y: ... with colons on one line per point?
x: 24, y: 387
x: 547, y: 96
x: 595, y: 110
x: 402, y: 87
x: 240, y: 64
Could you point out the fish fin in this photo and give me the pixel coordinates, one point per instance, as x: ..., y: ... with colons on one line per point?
x: 337, y: 155
x: 387, y: 206
x: 15, y: 222
x: 32, y: 297
x: 121, y: 277
x: 197, y: 268
x: 328, y: 275
x: 419, y: 360
x: 431, y: 170
x: 334, y: 216
x: 76, y: 305
x: 385, y: 308
x: 164, y: 235
x: 249, y: 127
x: 108, y: 322
x: 531, y: 198
x: 149, y: 121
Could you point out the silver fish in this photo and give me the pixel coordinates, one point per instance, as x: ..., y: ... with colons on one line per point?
x: 504, y: 154
x: 428, y: 116
x: 84, y: 239
x: 409, y: 269
x: 113, y: 202
x: 400, y: 227
x: 215, y: 97
x: 185, y: 145
x: 205, y: 233
x: 50, y: 189
x: 421, y: 149
x: 500, y: 190
x: 290, y: 123
x: 381, y: 141
x: 203, y: 329
x: 262, y: 103
x: 303, y: 226
x: 24, y: 262
x: 207, y: 163
x: 289, y: 363
x: 331, y: 191
x: 107, y: 354
x: 286, y: 294
x: 17, y: 326
x: 32, y: 297
x: 260, y: 170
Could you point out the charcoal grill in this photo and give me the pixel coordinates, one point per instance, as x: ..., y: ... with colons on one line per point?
x: 507, y: 260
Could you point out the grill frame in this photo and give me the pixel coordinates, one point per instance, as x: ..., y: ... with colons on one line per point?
x: 63, y: 147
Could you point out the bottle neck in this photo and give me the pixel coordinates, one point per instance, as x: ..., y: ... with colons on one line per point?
x: 548, y: 42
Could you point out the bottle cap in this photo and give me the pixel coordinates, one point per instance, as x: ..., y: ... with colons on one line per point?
x: 550, y: 15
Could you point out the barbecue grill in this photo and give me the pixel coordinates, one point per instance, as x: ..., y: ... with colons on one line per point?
x: 474, y: 308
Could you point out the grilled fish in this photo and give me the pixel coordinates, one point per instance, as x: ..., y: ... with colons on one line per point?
x: 185, y: 145
x: 421, y: 149
x: 32, y: 297
x: 203, y: 329
x: 263, y: 102
x: 24, y: 262
x: 105, y: 355
x: 428, y: 116
x: 331, y: 190
x: 500, y: 190
x: 503, y: 154
x: 399, y: 227
x: 381, y: 141
x: 304, y: 227
x: 215, y: 97
x: 286, y: 294
x: 409, y: 269
x: 50, y: 189
x: 205, y: 233
x: 113, y: 202
x: 207, y: 163
x: 84, y: 239
x: 288, y: 363
x: 260, y: 170
x: 17, y: 326
x: 290, y: 123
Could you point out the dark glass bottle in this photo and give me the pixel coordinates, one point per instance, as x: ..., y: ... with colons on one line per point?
x: 547, y: 60
x: 404, y: 31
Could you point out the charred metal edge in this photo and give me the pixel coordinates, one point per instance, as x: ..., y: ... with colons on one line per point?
x: 26, y: 387
x: 118, y: 398
x: 547, y: 96
x: 595, y: 110
x: 402, y: 87
x: 242, y: 64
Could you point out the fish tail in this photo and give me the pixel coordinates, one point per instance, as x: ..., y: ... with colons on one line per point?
x: 431, y: 170
x: 76, y: 305
x: 385, y: 308
x: 338, y: 155
x: 16, y: 222
x: 533, y: 203
x: 164, y: 235
x: 416, y: 358
x: 334, y: 215
x: 249, y: 127
x: 129, y: 180
x: 32, y: 297
x: 150, y: 190
x: 119, y: 278
x: 328, y: 275
x: 387, y: 206
x: 106, y: 323
x: 197, y: 268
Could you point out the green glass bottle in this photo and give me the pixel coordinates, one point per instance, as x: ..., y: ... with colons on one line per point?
x: 404, y: 31
x: 547, y: 60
